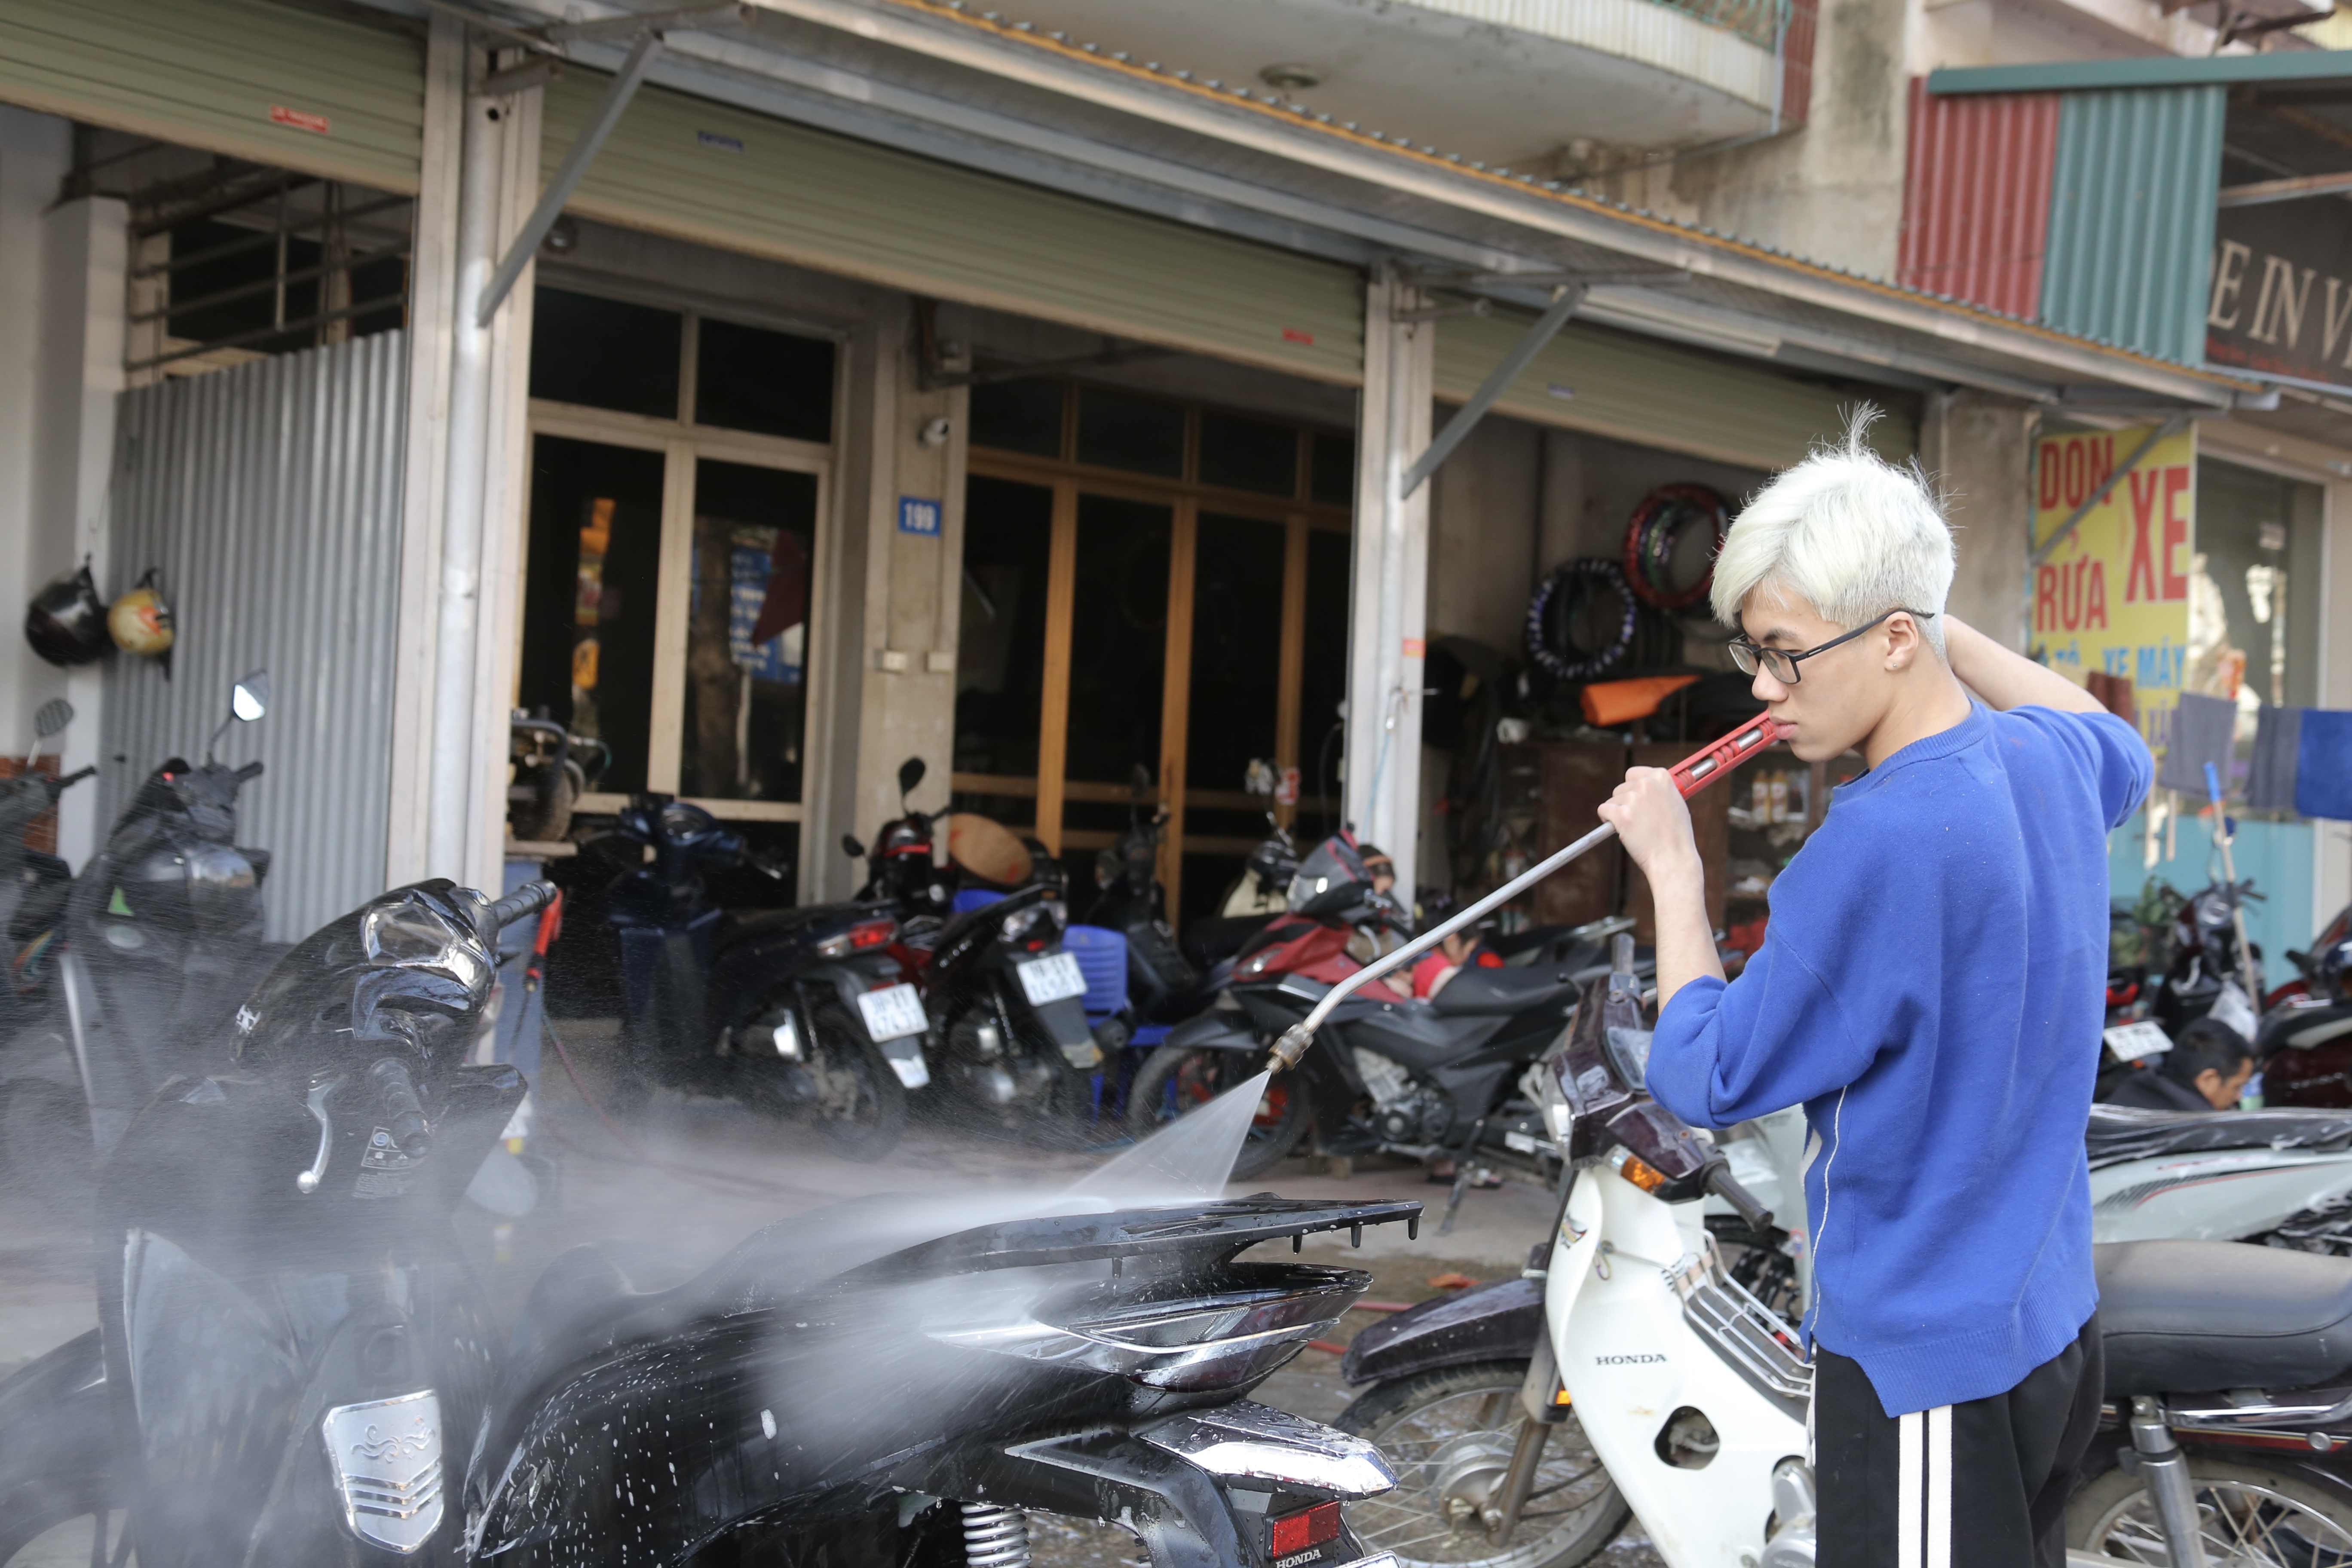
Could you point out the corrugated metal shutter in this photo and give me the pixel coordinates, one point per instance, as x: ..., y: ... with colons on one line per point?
x: 243, y: 77
x: 707, y: 171
x: 1975, y: 197
x: 270, y: 496
x: 2131, y: 218
x: 1633, y: 389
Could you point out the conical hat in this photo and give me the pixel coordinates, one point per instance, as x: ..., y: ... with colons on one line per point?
x: 987, y: 850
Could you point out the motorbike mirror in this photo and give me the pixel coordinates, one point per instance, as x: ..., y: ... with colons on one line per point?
x: 910, y: 774
x: 48, y: 719
x: 249, y: 699
x: 851, y: 847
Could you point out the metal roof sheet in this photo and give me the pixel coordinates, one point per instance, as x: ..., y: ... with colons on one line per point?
x: 2153, y: 70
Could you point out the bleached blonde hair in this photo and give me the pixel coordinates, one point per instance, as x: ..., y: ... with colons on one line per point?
x: 1847, y: 531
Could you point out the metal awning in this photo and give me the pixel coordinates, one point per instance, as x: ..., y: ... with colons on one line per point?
x: 943, y: 81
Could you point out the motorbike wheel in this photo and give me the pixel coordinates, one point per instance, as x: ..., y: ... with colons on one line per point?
x: 870, y: 1124
x: 2251, y: 1516
x: 1171, y: 1082
x: 1450, y: 1434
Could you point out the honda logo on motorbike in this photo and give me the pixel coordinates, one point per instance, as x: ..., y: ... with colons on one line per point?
x: 1642, y: 1358
x: 386, y: 1455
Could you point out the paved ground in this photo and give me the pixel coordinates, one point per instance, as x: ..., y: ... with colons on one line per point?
x: 711, y: 1175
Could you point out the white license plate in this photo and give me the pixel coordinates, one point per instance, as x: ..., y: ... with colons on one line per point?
x: 2138, y: 1042
x: 892, y: 1012
x: 1051, y: 978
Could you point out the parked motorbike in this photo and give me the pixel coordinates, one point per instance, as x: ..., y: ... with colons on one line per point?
x: 2207, y: 972
x: 1630, y: 1375
x: 1391, y: 1073
x: 33, y: 884
x: 295, y: 1366
x: 795, y: 1012
x: 2304, y: 1043
x: 164, y: 931
x: 1164, y: 987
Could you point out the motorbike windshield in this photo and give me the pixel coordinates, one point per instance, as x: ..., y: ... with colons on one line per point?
x: 1334, y: 863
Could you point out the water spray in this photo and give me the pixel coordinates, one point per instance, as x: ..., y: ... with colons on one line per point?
x: 1692, y: 774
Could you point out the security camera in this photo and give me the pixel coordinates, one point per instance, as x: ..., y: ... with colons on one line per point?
x: 936, y: 431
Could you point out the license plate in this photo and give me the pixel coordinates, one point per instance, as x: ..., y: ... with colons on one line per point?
x: 1051, y: 978
x: 2139, y: 1041
x: 892, y: 1012
x: 912, y: 1071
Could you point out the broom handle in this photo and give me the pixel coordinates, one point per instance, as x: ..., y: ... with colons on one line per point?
x: 1692, y: 774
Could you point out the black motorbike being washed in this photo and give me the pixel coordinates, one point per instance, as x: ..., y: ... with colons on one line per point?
x: 795, y: 1012
x: 163, y: 932
x: 295, y: 1365
x: 1390, y: 1072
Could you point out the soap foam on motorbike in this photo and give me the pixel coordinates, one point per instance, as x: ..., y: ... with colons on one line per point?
x: 1191, y: 1157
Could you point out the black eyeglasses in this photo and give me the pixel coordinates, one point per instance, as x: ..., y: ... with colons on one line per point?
x: 1782, y: 664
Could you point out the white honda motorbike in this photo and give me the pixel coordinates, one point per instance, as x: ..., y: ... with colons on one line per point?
x: 1630, y: 1374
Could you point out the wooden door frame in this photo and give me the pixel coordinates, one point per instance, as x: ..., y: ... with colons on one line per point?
x: 1297, y: 515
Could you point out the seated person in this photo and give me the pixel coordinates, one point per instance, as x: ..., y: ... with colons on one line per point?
x: 2206, y: 1069
x: 1447, y: 959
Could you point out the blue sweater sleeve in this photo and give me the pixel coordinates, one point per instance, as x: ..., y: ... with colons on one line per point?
x: 1774, y: 1037
x: 2110, y: 750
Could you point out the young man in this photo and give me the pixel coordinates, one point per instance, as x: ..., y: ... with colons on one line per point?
x: 2206, y: 1069
x: 1931, y: 991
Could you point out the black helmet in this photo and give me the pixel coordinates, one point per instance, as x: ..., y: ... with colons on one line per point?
x: 66, y: 622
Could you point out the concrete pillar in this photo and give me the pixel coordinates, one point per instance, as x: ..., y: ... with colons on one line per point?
x: 467, y: 448
x: 1979, y: 449
x: 36, y: 150
x: 904, y: 596
x: 85, y: 253
x: 1388, y: 604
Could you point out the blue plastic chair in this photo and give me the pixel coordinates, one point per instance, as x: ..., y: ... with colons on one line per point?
x: 1102, y: 959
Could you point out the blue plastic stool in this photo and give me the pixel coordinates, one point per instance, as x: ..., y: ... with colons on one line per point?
x: 973, y: 898
x: 1102, y: 959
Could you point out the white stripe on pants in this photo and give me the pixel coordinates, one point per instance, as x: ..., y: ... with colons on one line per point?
x: 1923, y: 1480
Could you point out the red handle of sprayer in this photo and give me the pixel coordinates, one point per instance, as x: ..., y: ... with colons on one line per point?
x: 1713, y: 760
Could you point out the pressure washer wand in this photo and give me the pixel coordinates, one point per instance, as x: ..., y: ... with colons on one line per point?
x: 1692, y: 774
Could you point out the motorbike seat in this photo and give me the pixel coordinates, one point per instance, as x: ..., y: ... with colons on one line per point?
x: 2201, y: 1316
x: 585, y: 1293
x: 1476, y: 992
x: 2119, y: 1132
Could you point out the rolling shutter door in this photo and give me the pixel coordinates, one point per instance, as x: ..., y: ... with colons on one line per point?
x: 321, y: 94
x: 1638, y: 390
x: 707, y: 171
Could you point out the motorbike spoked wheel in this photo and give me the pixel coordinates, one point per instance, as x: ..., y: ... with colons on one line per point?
x: 1172, y: 1082
x: 2251, y: 1518
x: 1450, y: 1434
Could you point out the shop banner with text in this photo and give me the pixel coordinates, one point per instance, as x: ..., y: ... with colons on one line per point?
x: 2113, y: 595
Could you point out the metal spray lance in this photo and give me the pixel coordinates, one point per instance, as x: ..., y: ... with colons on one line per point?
x: 1692, y: 774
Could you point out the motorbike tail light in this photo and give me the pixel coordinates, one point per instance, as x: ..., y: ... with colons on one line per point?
x: 872, y: 934
x: 1291, y: 1533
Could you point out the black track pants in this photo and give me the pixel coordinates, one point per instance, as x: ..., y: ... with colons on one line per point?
x: 1979, y: 1485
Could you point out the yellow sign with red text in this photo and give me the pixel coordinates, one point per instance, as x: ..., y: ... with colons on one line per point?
x: 2113, y: 595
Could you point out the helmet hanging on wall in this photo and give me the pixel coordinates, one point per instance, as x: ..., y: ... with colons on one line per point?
x: 141, y: 621
x: 66, y: 622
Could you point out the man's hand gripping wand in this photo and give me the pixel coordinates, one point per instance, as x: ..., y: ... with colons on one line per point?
x: 1692, y: 774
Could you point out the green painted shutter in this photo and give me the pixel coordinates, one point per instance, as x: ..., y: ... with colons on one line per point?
x: 1653, y: 394
x: 2132, y: 203
x: 303, y: 90
x: 707, y: 171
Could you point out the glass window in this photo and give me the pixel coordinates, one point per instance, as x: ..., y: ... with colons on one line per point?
x: 772, y: 384
x: 604, y: 353
x: 747, y: 637
x: 1334, y: 480
x: 1008, y: 535
x: 1236, y: 650
x: 1133, y: 433
x: 1018, y: 416
x: 589, y: 600
x: 1119, y: 638
x: 1246, y: 455
x: 1323, y: 685
x: 2252, y: 594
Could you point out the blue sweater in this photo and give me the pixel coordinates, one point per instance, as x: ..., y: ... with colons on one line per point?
x: 1931, y: 989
